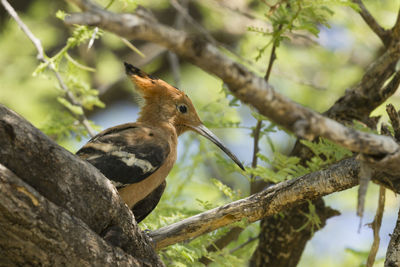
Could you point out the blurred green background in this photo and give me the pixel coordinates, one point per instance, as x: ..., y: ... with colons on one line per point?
x: 314, y: 71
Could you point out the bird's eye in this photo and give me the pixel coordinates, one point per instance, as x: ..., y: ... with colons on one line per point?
x: 182, y: 108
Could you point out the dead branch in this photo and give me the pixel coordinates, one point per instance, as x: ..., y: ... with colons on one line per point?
x: 270, y: 201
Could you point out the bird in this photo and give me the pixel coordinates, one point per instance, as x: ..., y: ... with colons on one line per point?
x: 137, y: 157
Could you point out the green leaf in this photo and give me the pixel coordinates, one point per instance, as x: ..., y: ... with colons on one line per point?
x: 71, y: 107
x: 60, y: 14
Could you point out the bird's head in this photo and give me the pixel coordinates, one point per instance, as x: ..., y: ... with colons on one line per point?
x: 166, y: 102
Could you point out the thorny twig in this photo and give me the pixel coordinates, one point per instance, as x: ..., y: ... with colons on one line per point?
x: 42, y: 57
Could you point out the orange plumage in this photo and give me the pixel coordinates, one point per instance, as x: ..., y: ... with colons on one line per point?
x: 137, y: 157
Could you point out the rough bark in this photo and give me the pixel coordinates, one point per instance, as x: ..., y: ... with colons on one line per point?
x: 393, y: 250
x: 280, y: 232
x: 35, y: 231
x: 383, y: 34
x: 68, y: 182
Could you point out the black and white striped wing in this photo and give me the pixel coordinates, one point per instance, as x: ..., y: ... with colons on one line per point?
x: 125, y: 154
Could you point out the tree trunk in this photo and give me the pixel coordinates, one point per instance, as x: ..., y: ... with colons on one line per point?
x: 56, y: 206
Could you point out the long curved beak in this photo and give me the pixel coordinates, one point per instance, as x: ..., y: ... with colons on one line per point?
x: 204, y: 131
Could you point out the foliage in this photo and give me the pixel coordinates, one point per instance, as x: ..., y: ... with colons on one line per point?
x: 280, y: 167
x: 77, y: 95
x: 313, y: 220
x: 189, y: 189
x: 360, y: 257
x: 295, y: 15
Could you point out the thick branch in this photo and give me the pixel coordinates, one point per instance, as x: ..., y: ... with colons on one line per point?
x: 69, y: 183
x: 34, y: 230
x: 393, y: 250
x: 244, y: 84
x: 270, y: 201
x: 359, y: 101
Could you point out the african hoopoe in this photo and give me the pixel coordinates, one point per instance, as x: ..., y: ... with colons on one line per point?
x: 137, y: 157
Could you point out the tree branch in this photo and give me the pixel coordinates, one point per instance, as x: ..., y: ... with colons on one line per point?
x: 383, y: 34
x: 395, y: 120
x: 58, y: 238
x: 268, y: 202
x: 393, y: 250
x: 376, y: 227
x: 244, y: 84
x: 68, y: 182
x: 359, y: 101
x: 396, y: 29
x: 274, y: 199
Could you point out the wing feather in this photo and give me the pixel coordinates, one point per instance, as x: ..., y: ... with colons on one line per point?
x: 148, y: 204
x: 126, y: 154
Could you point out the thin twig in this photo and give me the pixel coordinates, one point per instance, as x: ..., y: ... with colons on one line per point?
x: 42, y: 57
x: 256, y: 149
x: 132, y: 47
x: 244, y: 244
x: 272, y: 58
x: 25, y: 29
x: 372, y: 23
x: 257, y: 130
x: 376, y: 226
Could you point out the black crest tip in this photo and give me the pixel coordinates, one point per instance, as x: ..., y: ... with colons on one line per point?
x: 132, y: 70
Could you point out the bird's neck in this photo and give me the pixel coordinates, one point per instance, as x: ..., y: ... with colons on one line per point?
x: 154, y: 115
